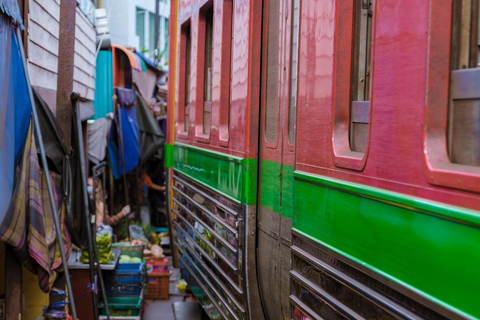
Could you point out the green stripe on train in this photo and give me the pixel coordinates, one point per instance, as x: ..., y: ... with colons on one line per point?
x: 273, y: 178
x: 430, y: 247
x: 234, y: 177
x: 169, y: 155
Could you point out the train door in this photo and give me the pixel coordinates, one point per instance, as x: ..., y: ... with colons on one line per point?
x: 277, y: 155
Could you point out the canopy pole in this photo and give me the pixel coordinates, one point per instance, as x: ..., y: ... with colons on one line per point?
x: 95, y: 173
x: 38, y: 133
x: 89, y: 217
x: 125, y: 185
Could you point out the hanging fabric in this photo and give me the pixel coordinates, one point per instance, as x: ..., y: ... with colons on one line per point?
x: 97, y: 139
x: 28, y: 227
x: 151, y: 137
x: 123, y: 141
x: 15, y: 109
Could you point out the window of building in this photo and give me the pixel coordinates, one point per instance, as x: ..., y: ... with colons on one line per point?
x: 293, y: 72
x: 140, y: 27
x: 362, y: 44
x: 464, y: 107
x: 165, y: 50
x: 184, y: 79
x: 208, y: 63
x: 151, y: 37
x: 272, y: 75
x: 227, y: 39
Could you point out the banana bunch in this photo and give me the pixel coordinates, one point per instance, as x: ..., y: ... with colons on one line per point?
x: 104, y: 247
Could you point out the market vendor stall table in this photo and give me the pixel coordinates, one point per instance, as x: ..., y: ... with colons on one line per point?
x: 80, y: 278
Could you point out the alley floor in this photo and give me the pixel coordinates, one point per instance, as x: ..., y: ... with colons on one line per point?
x: 179, y: 306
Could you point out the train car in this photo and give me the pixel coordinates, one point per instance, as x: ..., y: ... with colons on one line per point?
x: 324, y: 157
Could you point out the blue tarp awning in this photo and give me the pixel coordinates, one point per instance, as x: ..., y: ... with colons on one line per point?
x: 128, y: 136
x: 15, y: 104
x: 10, y: 9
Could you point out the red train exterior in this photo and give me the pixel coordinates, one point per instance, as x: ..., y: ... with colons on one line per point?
x: 328, y: 229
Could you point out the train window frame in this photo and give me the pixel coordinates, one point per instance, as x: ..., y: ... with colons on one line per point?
x: 293, y: 67
x: 271, y: 144
x: 185, y: 67
x: 226, y: 71
x: 438, y: 167
x: 343, y: 155
x: 202, y: 47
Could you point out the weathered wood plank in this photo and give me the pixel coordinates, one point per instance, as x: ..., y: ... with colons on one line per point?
x: 42, y: 57
x: 84, y: 51
x: 83, y: 77
x: 49, y: 7
x: 42, y: 77
x: 84, y: 91
x: 43, y: 38
x: 85, y: 25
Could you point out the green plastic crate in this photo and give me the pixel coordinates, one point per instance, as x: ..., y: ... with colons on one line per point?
x: 122, y: 306
x: 133, y: 251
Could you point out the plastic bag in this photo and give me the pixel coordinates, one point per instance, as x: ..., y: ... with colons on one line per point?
x: 157, y: 251
x: 136, y: 233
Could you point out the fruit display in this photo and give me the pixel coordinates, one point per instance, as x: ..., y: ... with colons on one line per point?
x: 127, y: 259
x: 104, y: 247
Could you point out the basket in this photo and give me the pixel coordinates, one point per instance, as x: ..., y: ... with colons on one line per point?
x: 125, y: 274
x: 123, y: 290
x: 119, y: 318
x: 122, y: 306
x: 158, y: 285
x: 133, y: 251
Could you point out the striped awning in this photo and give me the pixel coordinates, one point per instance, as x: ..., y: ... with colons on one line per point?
x: 134, y: 60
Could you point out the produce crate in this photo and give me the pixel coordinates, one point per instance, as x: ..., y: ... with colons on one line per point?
x: 134, y: 251
x: 126, y: 274
x: 119, y: 318
x: 122, y: 306
x: 160, y: 265
x: 122, y: 290
x: 158, y: 285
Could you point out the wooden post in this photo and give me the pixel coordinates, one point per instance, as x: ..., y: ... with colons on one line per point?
x: 64, y: 111
x: 66, y: 50
x: 13, y: 285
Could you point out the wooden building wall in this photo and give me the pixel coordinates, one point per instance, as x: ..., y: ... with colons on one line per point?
x: 42, y: 48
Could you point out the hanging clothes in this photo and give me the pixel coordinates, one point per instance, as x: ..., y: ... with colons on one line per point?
x: 124, y: 134
x: 151, y: 137
x: 97, y: 139
x: 29, y: 226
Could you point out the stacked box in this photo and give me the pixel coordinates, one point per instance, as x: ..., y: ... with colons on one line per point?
x: 158, y: 285
x: 124, y: 287
x: 122, y: 306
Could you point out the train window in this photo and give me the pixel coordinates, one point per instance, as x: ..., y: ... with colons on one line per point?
x: 227, y: 36
x: 272, y: 76
x: 207, y: 84
x: 362, y: 41
x: 293, y: 72
x: 464, y: 107
x: 185, y: 56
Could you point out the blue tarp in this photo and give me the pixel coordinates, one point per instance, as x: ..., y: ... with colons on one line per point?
x: 15, y: 109
x: 149, y: 62
x: 129, y: 133
x: 10, y: 9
